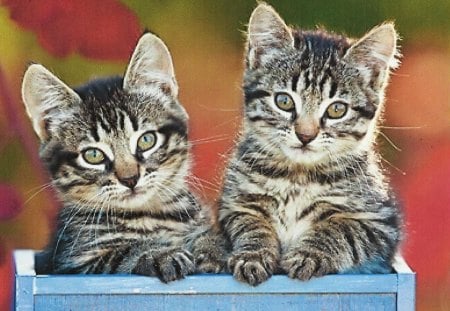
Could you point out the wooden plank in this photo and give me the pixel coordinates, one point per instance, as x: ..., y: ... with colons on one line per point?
x: 212, y: 284
x: 211, y: 291
x: 406, y: 292
x: 406, y: 296
x: 23, y: 293
x: 251, y: 302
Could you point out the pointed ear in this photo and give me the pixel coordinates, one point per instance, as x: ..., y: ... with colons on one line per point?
x: 267, y: 28
x: 43, y: 95
x: 150, y: 63
x: 376, y: 50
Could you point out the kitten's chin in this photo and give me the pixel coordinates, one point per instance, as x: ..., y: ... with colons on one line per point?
x: 305, y: 156
x: 136, y: 199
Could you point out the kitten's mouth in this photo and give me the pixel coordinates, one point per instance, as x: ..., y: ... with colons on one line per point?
x: 134, y: 198
x: 133, y: 193
x: 303, y: 148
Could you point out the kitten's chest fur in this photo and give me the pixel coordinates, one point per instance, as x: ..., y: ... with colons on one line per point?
x: 114, y: 227
x: 289, y: 220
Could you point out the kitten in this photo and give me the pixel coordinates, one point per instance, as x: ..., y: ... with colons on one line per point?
x: 118, y: 155
x: 304, y: 193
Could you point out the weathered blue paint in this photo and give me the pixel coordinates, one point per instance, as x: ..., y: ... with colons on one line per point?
x: 347, y: 302
x: 406, y: 296
x: 210, y: 292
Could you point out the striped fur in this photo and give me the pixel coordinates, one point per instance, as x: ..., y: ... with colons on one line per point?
x: 304, y: 193
x: 133, y: 212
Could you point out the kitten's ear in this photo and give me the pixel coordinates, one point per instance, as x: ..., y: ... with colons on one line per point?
x: 43, y: 95
x: 150, y: 63
x: 377, y: 49
x: 267, y: 28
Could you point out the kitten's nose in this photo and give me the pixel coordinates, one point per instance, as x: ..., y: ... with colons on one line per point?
x: 130, y: 182
x: 306, y: 138
x: 306, y: 130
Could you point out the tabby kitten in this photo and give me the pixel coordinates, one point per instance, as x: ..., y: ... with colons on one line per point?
x: 118, y: 155
x: 304, y: 193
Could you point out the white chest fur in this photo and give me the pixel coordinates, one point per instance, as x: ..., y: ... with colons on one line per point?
x: 294, y: 199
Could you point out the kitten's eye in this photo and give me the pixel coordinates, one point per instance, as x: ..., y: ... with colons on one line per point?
x: 146, y: 141
x: 336, y: 110
x: 284, y: 102
x: 94, y: 156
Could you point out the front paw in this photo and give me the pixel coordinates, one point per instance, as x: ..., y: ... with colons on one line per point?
x: 304, y: 265
x: 253, y: 267
x: 210, y: 253
x: 210, y: 262
x: 174, y: 265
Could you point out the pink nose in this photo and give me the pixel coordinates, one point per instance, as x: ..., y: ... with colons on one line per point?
x: 130, y: 182
x: 306, y: 138
x: 306, y: 129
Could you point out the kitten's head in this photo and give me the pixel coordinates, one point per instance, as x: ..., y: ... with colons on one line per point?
x: 112, y: 142
x: 312, y: 96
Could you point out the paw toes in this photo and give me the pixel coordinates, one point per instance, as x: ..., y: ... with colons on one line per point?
x: 305, y: 266
x: 251, y: 268
x: 174, y: 266
x: 208, y: 263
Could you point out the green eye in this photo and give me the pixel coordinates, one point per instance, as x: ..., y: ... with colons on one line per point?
x: 284, y: 102
x: 336, y: 110
x: 146, y: 141
x: 94, y: 156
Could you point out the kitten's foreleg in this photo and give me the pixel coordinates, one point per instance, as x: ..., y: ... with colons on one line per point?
x: 255, y: 246
x: 336, y: 245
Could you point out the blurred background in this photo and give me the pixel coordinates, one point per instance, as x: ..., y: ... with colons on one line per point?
x: 82, y: 39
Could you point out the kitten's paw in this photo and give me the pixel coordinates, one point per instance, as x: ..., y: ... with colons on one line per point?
x: 304, y: 265
x: 252, y: 267
x: 210, y: 252
x: 210, y: 262
x: 174, y: 265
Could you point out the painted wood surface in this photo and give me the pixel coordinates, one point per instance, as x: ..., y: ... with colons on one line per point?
x: 307, y: 302
x: 406, y: 296
x: 210, y: 292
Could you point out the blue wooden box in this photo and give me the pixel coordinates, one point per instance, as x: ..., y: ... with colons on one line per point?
x: 210, y: 292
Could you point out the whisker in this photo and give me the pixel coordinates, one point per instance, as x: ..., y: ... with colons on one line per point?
x: 208, y: 108
x: 41, y: 189
x: 389, y: 141
x: 393, y: 166
x: 401, y: 127
x: 215, y: 138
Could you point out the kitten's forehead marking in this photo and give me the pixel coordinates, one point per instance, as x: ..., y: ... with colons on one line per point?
x: 128, y: 126
x: 101, y: 132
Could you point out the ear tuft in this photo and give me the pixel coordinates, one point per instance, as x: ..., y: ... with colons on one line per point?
x: 378, y: 47
x: 42, y: 94
x: 266, y: 27
x: 150, y: 63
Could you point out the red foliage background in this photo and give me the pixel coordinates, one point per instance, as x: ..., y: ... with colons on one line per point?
x: 11, y: 202
x: 104, y: 29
